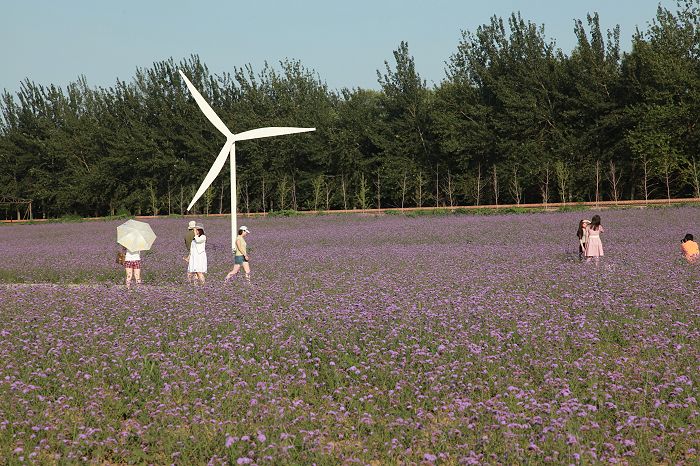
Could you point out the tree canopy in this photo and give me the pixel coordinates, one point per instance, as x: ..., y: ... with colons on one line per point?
x: 514, y: 120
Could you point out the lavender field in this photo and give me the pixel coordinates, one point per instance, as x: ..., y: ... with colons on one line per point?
x: 369, y: 340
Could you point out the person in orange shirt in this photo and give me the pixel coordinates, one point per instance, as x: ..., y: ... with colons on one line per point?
x: 690, y: 248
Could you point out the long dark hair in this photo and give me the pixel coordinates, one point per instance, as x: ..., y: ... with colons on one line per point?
x: 579, y: 232
x: 200, y: 231
x: 595, y: 222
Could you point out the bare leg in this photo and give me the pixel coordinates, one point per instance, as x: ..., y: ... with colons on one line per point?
x: 233, y: 272
x: 246, y: 269
x: 137, y: 276
x: 129, y: 273
x: 190, y: 276
x: 200, y: 277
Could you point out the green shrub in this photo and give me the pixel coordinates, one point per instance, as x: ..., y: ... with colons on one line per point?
x: 520, y: 210
x: 284, y: 213
x: 573, y: 208
x: 428, y: 212
x: 70, y: 218
x: 498, y: 211
x: 477, y: 211
x: 123, y: 212
x: 8, y: 276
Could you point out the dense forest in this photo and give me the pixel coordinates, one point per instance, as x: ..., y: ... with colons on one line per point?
x: 515, y: 120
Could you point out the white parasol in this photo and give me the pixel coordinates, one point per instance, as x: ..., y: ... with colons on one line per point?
x: 135, y: 235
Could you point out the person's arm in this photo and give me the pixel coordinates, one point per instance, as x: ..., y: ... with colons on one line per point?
x: 199, y: 243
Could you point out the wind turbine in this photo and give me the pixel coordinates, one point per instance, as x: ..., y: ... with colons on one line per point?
x: 230, y: 148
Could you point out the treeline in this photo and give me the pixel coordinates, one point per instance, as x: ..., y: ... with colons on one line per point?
x: 515, y: 120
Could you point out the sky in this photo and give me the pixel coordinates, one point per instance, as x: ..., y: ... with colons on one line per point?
x: 344, y: 42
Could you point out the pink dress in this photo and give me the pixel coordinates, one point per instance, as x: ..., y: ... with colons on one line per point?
x: 594, y: 247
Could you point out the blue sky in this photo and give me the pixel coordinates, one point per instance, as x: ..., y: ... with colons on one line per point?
x: 345, y: 42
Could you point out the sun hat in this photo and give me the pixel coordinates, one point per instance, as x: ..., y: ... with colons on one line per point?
x: 586, y: 221
x: 199, y: 226
x: 191, y: 225
x: 244, y: 228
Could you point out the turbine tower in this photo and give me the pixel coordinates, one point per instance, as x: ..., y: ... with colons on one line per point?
x: 230, y: 148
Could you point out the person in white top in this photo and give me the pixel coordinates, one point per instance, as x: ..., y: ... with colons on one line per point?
x: 132, y: 266
x: 198, y: 255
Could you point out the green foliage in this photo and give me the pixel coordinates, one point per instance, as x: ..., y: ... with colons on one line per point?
x: 123, y: 212
x: 284, y: 213
x: 10, y: 276
x: 554, y: 126
x: 70, y: 218
x: 429, y: 212
x: 499, y: 211
x: 573, y: 208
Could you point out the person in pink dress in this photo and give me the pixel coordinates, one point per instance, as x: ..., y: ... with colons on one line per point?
x: 594, y: 247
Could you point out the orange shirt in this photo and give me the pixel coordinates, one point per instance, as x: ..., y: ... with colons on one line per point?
x: 690, y: 249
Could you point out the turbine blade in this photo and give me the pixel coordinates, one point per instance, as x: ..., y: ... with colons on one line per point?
x: 267, y: 132
x: 213, y: 172
x: 206, y: 109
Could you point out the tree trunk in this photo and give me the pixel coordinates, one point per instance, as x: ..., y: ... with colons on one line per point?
x: 403, y: 190
x: 264, y: 207
x: 478, y: 186
x: 597, y: 182
x: 437, y: 185
x: 544, y: 188
x: 495, y: 185
x: 344, y: 189
x: 379, y: 192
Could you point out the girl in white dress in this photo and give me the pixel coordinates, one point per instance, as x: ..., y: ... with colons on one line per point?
x: 198, y: 255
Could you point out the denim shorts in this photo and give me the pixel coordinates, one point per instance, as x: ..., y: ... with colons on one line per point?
x: 239, y: 260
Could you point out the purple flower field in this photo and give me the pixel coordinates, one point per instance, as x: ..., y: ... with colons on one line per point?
x: 370, y: 340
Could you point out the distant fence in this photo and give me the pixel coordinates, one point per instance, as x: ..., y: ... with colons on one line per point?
x: 541, y: 206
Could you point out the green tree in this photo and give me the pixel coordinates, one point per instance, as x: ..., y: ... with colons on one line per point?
x: 404, y: 136
x: 662, y: 85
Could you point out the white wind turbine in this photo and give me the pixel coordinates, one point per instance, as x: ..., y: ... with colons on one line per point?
x: 230, y: 147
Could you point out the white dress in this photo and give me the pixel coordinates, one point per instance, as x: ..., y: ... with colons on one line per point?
x: 198, y: 255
